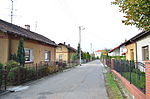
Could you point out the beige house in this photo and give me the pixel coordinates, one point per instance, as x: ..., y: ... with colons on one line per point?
x: 37, y: 47
x: 131, y: 51
x: 64, y: 52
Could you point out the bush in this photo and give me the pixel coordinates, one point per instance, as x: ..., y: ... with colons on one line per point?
x: 14, y: 75
x: 52, y: 69
x: 11, y: 64
x: 1, y: 74
x: 31, y: 74
x: 13, y: 57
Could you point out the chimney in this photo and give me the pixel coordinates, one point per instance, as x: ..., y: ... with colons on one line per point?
x: 65, y: 43
x: 27, y: 27
x: 69, y: 45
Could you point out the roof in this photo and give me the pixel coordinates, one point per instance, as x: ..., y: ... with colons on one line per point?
x: 17, y: 30
x: 133, y: 39
x: 114, y: 49
x: 138, y: 36
x: 99, y: 51
x: 69, y: 47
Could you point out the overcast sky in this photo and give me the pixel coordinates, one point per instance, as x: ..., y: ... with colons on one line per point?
x: 59, y: 20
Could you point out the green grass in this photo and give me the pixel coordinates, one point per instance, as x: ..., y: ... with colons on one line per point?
x: 138, y: 82
x: 113, y: 86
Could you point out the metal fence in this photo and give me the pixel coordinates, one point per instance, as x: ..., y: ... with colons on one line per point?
x: 19, y: 74
x: 134, y: 72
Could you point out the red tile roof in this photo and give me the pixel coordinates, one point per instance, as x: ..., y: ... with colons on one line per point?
x: 99, y: 51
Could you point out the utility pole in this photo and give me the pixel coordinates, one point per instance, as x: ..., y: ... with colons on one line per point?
x: 80, y: 45
x: 91, y: 47
x: 11, y: 11
x: 80, y: 28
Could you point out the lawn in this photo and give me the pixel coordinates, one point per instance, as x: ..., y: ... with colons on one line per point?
x: 111, y: 84
x: 137, y: 80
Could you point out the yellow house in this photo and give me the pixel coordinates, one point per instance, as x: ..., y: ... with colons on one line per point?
x: 37, y: 47
x: 64, y: 52
x: 131, y: 51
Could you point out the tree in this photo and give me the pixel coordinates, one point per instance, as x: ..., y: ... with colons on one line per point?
x: 21, y: 53
x: 137, y: 12
x: 78, y: 51
x: 74, y: 57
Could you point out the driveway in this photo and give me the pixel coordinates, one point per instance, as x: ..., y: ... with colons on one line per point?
x: 81, y: 82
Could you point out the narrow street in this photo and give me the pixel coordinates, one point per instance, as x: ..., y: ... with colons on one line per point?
x: 82, y: 82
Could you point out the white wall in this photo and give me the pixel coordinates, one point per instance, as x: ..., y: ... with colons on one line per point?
x: 98, y: 54
x: 116, y: 52
x: 141, y: 43
x: 122, y: 50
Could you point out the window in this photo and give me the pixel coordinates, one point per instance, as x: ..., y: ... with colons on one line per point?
x: 47, y: 55
x: 60, y: 57
x: 28, y: 55
x: 60, y: 48
x: 145, y: 52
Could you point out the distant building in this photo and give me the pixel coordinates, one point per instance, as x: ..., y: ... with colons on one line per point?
x: 98, y: 53
x: 64, y: 52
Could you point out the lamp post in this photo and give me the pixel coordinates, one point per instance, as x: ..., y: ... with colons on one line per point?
x: 80, y: 28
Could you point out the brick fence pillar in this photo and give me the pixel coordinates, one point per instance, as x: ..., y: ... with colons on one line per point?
x: 147, y: 73
x: 112, y: 63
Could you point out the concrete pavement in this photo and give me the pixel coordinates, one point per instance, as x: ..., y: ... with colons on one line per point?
x: 82, y: 82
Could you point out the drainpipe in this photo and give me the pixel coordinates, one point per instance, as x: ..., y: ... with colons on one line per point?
x: 136, y: 51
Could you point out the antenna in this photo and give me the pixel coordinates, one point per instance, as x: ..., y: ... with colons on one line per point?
x: 11, y: 11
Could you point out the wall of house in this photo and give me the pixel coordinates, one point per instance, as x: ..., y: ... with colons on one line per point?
x: 116, y: 52
x: 63, y: 51
x: 122, y: 49
x: 129, y: 48
x: 141, y: 43
x: 38, y: 49
x: 4, y: 47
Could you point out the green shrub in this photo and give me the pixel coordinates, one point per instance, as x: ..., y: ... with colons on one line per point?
x: 13, y: 57
x: 31, y: 74
x: 11, y: 64
x: 1, y: 74
x: 14, y: 75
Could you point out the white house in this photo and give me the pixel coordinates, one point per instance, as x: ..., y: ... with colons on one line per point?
x: 98, y: 53
x: 143, y: 44
x: 115, y: 51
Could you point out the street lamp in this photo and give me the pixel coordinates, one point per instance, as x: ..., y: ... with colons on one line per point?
x: 80, y: 28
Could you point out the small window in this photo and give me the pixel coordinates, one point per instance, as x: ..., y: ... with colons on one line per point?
x: 28, y: 55
x: 47, y: 55
x: 145, y: 52
x: 60, y: 48
x: 60, y: 57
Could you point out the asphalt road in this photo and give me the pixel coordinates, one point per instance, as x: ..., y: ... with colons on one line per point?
x: 81, y: 82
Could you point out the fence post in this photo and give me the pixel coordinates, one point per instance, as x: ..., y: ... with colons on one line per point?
x: 36, y: 71
x: 147, y: 72
x: 5, y: 76
x: 112, y: 63
x: 130, y: 71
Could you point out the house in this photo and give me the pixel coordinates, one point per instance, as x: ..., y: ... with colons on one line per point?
x: 114, y: 52
x: 118, y: 51
x: 143, y: 44
x: 37, y: 47
x: 98, y: 53
x: 64, y: 52
x: 139, y: 47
